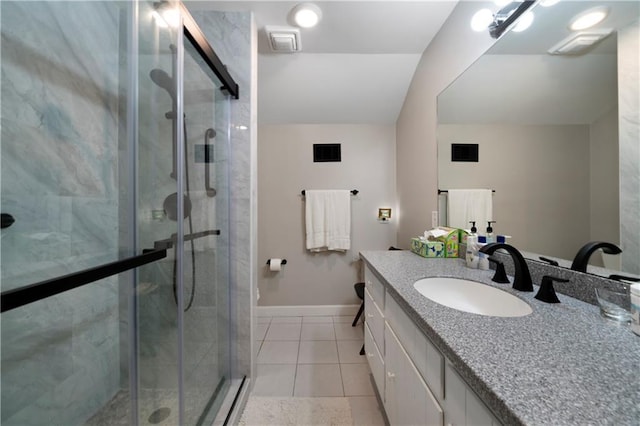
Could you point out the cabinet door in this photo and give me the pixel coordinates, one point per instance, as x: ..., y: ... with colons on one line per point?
x: 376, y: 363
x: 455, y: 398
x: 409, y: 401
x: 462, y: 405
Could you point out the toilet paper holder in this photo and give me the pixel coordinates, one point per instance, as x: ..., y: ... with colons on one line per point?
x: 284, y: 262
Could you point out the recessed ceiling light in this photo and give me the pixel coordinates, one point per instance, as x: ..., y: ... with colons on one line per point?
x: 306, y: 15
x: 589, y: 18
x: 481, y: 20
x: 524, y: 22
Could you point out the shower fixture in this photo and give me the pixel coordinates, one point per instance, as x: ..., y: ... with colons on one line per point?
x: 163, y: 80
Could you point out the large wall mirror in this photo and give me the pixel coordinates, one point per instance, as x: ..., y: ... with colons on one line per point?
x: 550, y: 130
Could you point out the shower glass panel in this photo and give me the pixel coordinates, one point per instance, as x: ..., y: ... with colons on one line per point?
x: 64, y: 120
x: 156, y: 343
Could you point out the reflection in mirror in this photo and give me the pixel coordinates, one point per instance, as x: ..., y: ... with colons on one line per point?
x: 556, y: 135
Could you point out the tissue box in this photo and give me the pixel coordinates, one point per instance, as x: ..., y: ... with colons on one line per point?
x: 462, y: 239
x: 428, y: 248
x: 451, y: 241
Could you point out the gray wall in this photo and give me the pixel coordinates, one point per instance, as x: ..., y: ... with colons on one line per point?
x: 454, y: 48
x: 286, y: 167
x: 549, y: 179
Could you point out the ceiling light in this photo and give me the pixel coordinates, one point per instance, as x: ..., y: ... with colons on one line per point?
x: 589, y: 18
x: 524, y: 22
x: 306, y: 15
x: 166, y: 15
x: 481, y: 20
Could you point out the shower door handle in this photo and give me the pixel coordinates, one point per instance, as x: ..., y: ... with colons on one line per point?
x: 7, y: 220
x: 25, y: 295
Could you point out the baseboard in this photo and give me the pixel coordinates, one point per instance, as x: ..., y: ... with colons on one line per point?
x: 307, y: 310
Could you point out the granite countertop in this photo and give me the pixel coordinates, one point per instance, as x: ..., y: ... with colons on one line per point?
x: 561, y: 365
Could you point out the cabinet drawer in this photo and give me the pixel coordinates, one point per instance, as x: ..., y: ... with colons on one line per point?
x: 375, y: 360
x: 375, y: 287
x: 374, y: 319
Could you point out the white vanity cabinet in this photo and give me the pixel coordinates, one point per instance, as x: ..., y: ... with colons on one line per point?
x: 416, y: 383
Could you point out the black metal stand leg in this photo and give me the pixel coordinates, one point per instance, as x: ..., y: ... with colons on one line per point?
x: 362, y: 350
x: 355, y: 321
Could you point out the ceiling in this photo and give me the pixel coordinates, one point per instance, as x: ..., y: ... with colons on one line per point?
x: 355, y: 66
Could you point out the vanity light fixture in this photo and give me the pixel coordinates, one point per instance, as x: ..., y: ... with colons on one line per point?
x: 306, y: 15
x: 548, y: 3
x: 481, y: 20
x: 508, y: 15
x: 588, y: 18
x: 524, y: 22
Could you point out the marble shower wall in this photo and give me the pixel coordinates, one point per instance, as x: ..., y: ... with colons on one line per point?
x: 60, y: 127
x: 629, y: 107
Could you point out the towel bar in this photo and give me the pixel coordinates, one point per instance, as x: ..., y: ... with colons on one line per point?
x: 440, y: 191
x: 353, y: 192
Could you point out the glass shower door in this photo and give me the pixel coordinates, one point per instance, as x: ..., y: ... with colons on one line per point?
x: 206, y: 338
x: 182, y: 304
x: 64, y: 119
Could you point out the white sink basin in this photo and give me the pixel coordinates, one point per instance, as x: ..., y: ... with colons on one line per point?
x: 470, y: 296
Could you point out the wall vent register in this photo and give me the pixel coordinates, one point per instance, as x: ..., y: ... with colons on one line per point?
x: 466, y: 152
x: 326, y: 152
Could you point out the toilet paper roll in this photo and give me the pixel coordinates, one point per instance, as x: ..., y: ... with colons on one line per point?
x: 275, y: 264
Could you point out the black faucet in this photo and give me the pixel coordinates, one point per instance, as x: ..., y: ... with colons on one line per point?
x: 522, y: 277
x: 582, y: 257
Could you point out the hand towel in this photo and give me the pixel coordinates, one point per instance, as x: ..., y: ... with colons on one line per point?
x: 466, y: 205
x: 328, y: 220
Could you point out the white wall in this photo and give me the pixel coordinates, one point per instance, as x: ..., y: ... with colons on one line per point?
x: 550, y: 179
x: 286, y: 167
x: 454, y: 48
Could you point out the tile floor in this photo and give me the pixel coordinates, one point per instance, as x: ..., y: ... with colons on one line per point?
x: 316, y: 357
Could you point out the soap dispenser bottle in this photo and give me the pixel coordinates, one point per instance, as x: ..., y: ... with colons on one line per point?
x: 472, y: 247
x: 489, y: 234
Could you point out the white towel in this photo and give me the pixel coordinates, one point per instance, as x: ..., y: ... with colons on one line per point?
x: 466, y: 205
x: 328, y: 220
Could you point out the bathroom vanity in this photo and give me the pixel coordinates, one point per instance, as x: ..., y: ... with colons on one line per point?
x: 563, y: 364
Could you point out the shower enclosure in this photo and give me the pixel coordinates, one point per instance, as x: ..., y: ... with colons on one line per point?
x: 115, y: 278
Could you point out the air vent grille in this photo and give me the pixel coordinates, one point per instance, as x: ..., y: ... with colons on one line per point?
x: 578, y: 42
x: 283, y: 39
